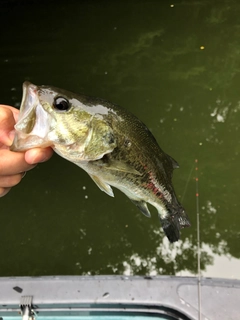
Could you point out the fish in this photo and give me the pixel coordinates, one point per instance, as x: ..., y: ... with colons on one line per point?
x: 111, y: 144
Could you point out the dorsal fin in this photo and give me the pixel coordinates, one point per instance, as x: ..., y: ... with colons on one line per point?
x: 175, y: 165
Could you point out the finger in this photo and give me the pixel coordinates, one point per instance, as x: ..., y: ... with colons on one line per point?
x: 13, y: 163
x: 15, y: 111
x: 37, y: 155
x: 7, y: 122
x: 10, y: 181
x: 4, y: 191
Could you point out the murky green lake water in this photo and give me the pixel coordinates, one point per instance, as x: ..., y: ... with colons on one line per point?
x: 175, y: 65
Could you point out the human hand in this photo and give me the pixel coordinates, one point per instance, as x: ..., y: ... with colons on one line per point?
x: 13, y: 165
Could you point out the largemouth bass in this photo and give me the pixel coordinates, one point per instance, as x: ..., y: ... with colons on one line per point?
x: 113, y: 146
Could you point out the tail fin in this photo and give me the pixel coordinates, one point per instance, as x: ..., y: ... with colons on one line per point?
x: 171, y: 227
x: 173, y: 224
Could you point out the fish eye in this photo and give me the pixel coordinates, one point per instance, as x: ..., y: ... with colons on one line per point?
x: 61, y: 104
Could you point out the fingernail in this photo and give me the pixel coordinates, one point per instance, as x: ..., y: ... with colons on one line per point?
x: 23, y: 174
x: 32, y: 156
x: 43, y: 160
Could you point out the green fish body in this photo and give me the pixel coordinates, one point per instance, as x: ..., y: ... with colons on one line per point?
x: 113, y: 146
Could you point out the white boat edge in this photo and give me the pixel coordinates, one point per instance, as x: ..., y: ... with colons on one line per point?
x: 220, y: 298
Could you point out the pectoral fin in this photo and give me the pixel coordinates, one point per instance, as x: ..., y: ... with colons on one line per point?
x: 121, y: 166
x: 102, y: 185
x: 143, y: 207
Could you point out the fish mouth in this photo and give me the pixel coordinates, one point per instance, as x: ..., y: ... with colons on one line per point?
x: 33, y: 123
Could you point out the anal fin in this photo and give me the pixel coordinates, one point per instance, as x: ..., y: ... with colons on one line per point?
x: 142, y: 206
x: 102, y: 185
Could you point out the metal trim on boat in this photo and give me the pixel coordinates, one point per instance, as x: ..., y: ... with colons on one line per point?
x: 176, y: 297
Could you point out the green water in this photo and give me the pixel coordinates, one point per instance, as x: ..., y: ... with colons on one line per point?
x: 176, y: 65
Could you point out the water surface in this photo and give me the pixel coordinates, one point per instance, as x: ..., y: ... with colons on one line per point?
x: 174, y: 65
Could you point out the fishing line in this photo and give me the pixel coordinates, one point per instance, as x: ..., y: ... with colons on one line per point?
x: 198, y: 245
x: 187, y: 183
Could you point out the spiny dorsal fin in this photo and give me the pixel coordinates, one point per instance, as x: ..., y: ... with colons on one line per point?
x: 175, y: 165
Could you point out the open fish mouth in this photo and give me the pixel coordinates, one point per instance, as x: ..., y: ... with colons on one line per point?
x: 33, y: 123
